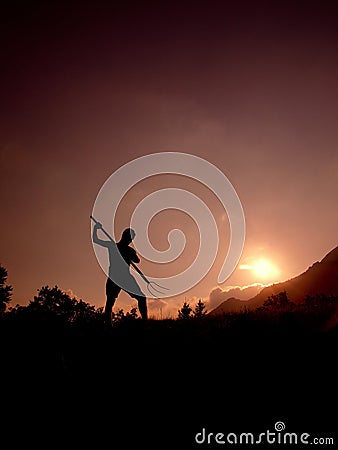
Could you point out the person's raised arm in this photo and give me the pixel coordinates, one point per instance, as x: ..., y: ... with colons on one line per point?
x: 96, y: 239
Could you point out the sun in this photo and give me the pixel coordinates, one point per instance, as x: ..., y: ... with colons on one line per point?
x: 263, y: 269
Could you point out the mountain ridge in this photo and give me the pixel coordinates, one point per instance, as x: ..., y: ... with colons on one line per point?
x: 320, y: 278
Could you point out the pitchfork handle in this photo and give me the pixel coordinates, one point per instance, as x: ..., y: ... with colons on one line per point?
x: 131, y: 262
x: 138, y: 270
x: 104, y: 231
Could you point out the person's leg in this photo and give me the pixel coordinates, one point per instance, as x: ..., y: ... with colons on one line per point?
x: 142, y: 306
x: 135, y: 292
x: 112, y: 291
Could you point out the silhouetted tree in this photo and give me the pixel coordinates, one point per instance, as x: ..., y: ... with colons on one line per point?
x: 320, y: 301
x: 277, y: 302
x: 5, y: 290
x: 53, y: 302
x: 199, y: 310
x: 321, y: 305
x: 185, y: 311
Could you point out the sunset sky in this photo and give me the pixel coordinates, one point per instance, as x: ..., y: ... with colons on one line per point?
x: 250, y: 86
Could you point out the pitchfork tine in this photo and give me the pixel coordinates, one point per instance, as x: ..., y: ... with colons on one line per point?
x: 161, y: 287
x: 153, y: 287
x: 154, y: 295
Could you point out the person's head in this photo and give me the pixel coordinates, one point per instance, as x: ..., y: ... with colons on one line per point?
x: 128, y: 235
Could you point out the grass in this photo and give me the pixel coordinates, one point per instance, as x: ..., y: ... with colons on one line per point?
x: 164, y: 381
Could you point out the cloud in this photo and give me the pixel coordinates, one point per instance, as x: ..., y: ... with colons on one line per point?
x: 218, y: 295
x: 245, y: 267
x: 157, y: 308
x: 71, y: 294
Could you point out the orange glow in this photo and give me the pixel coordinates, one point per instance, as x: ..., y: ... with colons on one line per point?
x: 263, y: 269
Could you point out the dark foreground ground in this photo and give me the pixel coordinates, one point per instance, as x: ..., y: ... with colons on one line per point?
x: 158, y: 386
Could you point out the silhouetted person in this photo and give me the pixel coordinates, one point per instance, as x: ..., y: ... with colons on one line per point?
x: 120, y: 272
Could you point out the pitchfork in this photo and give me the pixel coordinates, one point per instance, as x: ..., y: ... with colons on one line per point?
x: 151, y: 285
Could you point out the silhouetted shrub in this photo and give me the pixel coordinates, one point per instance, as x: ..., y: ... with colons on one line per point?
x: 121, y: 317
x: 5, y: 290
